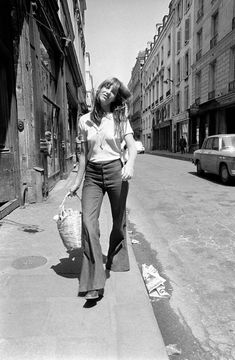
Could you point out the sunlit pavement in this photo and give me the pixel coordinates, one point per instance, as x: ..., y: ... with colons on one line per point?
x: 41, y: 315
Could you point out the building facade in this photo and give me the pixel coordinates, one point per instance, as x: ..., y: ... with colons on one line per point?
x: 90, y: 95
x: 213, y: 70
x: 188, y: 75
x: 135, y: 86
x: 43, y: 76
x: 182, y: 80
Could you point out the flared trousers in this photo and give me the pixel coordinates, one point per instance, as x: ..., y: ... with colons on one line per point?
x: 101, y: 178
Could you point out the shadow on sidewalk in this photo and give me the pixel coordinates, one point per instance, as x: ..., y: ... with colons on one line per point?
x: 69, y: 267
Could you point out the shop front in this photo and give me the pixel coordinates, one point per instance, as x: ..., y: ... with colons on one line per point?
x: 9, y: 154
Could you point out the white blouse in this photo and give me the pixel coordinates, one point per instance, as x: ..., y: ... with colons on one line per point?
x: 104, y: 141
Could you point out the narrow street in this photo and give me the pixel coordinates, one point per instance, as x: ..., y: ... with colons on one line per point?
x: 185, y: 228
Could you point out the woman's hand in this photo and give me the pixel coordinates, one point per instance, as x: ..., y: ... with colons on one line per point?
x: 127, y: 172
x: 128, y: 169
x: 73, y: 191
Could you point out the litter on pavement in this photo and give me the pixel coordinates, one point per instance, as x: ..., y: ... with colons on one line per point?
x: 134, y: 241
x: 171, y: 349
x: 154, y: 282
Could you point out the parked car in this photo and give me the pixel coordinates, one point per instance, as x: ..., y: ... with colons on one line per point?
x: 140, y: 147
x: 217, y: 156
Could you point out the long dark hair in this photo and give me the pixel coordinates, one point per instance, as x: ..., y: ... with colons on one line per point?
x: 117, y: 107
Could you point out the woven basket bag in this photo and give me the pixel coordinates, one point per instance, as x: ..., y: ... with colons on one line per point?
x: 69, y: 224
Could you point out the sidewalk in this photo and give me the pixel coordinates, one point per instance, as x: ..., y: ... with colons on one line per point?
x: 177, y: 155
x: 41, y: 315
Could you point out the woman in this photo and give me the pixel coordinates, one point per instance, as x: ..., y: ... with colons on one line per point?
x: 101, y: 133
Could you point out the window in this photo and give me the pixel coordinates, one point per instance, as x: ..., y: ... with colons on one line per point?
x: 48, y: 70
x: 214, y: 25
x: 187, y: 30
x: 186, y: 64
x: 157, y: 90
x: 199, y: 45
x: 214, y: 30
x: 215, y: 143
x: 187, y: 5
x: 232, y: 63
x: 212, y: 76
x: 208, y: 144
x: 162, y: 55
x: 162, y: 78
x: 178, y: 103
x: 169, y: 45
x: 178, y: 41
x: 199, y: 40
x: 158, y: 62
x: 179, y: 11
x: 186, y: 97
x: 198, y: 85
x: 169, y: 77
x: 200, y: 10
x: 178, y: 72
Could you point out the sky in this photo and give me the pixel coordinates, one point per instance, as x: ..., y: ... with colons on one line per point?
x: 115, y: 32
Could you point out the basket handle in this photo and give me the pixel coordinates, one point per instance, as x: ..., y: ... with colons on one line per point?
x: 66, y: 196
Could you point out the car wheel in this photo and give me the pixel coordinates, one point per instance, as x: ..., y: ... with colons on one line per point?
x: 199, y: 168
x: 224, y: 174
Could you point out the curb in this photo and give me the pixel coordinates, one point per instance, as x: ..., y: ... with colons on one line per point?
x: 188, y: 157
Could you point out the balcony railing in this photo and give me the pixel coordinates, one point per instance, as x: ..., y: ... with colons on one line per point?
x: 213, y: 41
x: 199, y: 55
x: 231, y: 86
x: 211, y: 95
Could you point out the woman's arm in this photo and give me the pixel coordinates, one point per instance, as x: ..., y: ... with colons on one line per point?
x: 81, y: 169
x: 128, y: 169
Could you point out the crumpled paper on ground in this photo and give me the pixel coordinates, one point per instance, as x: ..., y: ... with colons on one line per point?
x: 134, y: 241
x: 171, y: 349
x: 154, y: 282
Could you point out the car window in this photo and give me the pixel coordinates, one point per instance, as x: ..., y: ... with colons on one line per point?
x: 208, y: 144
x: 215, y: 143
x: 228, y: 142
x: 204, y: 144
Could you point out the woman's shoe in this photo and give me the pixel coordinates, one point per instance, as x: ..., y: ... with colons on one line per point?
x: 92, y: 295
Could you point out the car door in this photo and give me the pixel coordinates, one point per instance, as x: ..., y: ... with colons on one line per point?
x: 212, y: 156
x: 205, y: 155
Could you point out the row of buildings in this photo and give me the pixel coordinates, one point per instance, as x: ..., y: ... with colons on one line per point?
x: 183, y: 83
x: 44, y: 67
